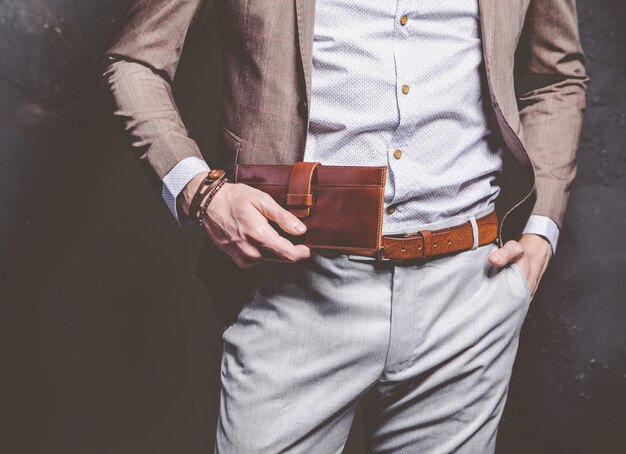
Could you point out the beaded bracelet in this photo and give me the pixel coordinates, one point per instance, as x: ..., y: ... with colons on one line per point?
x: 205, y: 187
x: 205, y: 205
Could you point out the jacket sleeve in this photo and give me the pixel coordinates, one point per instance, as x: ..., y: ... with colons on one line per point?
x: 552, y: 104
x: 138, y: 70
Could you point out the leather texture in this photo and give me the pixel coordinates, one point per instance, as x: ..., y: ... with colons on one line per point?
x: 342, y: 206
x: 299, y: 198
x: 432, y: 243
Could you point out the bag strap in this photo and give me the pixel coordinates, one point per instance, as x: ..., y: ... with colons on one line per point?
x: 299, y: 194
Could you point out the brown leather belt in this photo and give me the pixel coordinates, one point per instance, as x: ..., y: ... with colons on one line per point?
x: 432, y: 243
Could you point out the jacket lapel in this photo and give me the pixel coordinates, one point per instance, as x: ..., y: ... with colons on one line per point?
x: 487, y: 27
x: 305, y: 12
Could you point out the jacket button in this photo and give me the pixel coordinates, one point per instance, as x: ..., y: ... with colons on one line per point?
x: 303, y: 109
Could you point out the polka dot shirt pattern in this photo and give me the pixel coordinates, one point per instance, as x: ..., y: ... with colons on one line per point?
x: 401, y: 84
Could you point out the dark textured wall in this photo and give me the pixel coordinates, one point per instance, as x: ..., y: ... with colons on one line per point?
x: 109, y: 345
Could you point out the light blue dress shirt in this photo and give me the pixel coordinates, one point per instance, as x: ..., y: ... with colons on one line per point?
x: 401, y: 84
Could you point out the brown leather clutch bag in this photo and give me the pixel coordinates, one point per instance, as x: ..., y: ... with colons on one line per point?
x: 342, y: 206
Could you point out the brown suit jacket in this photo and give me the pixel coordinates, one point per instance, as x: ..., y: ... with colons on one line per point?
x: 531, y: 45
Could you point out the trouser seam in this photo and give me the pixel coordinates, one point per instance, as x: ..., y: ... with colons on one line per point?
x: 384, y: 369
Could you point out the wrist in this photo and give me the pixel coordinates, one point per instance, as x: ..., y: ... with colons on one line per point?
x: 544, y: 227
x: 198, y: 193
x: 186, y: 195
x: 539, y: 244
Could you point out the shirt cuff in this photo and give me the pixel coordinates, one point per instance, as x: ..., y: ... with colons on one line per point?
x: 176, y: 180
x: 544, y: 226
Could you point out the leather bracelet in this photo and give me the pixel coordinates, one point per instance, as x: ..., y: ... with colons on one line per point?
x: 203, y: 189
x: 198, y: 197
x: 197, y: 213
x: 216, y: 187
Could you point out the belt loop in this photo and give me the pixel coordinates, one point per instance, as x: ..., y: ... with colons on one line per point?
x: 474, y: 225
x: 428, y: 243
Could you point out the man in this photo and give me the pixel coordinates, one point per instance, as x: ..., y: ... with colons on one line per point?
x: 427, y: 89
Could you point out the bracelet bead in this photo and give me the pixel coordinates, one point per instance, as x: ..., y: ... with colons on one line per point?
x: 215, y: 188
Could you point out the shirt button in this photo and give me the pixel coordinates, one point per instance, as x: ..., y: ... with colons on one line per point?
x: 403, y: 20
x: 391, y: 210
x: 405, y: 89
x: 397, y: 154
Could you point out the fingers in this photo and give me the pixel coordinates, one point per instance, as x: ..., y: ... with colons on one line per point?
x: 510, y: 252
x: 266, y: 238
x: 274, y: 212
x: 244, y: 255
x: 238, y: 223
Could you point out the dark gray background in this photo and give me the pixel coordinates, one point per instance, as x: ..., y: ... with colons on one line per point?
x: 108, y: 344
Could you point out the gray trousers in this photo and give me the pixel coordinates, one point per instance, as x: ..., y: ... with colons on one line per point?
x: 431, y: 343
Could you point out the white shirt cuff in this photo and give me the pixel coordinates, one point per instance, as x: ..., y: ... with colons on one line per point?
x: 176, y: 180
x: 544, y: 226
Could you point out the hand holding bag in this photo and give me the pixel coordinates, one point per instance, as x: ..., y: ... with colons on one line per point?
x: 342, y: 206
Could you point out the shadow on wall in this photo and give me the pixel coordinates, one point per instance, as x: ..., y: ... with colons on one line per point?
x: 110, y: 344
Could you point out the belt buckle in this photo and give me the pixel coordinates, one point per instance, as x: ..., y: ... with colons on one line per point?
x: 420, y: 233
x: 382, y: 259
x: 379, y: 255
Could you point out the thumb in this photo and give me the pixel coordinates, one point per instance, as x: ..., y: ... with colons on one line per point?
x: 286, y: 220
x: 510, y: 252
